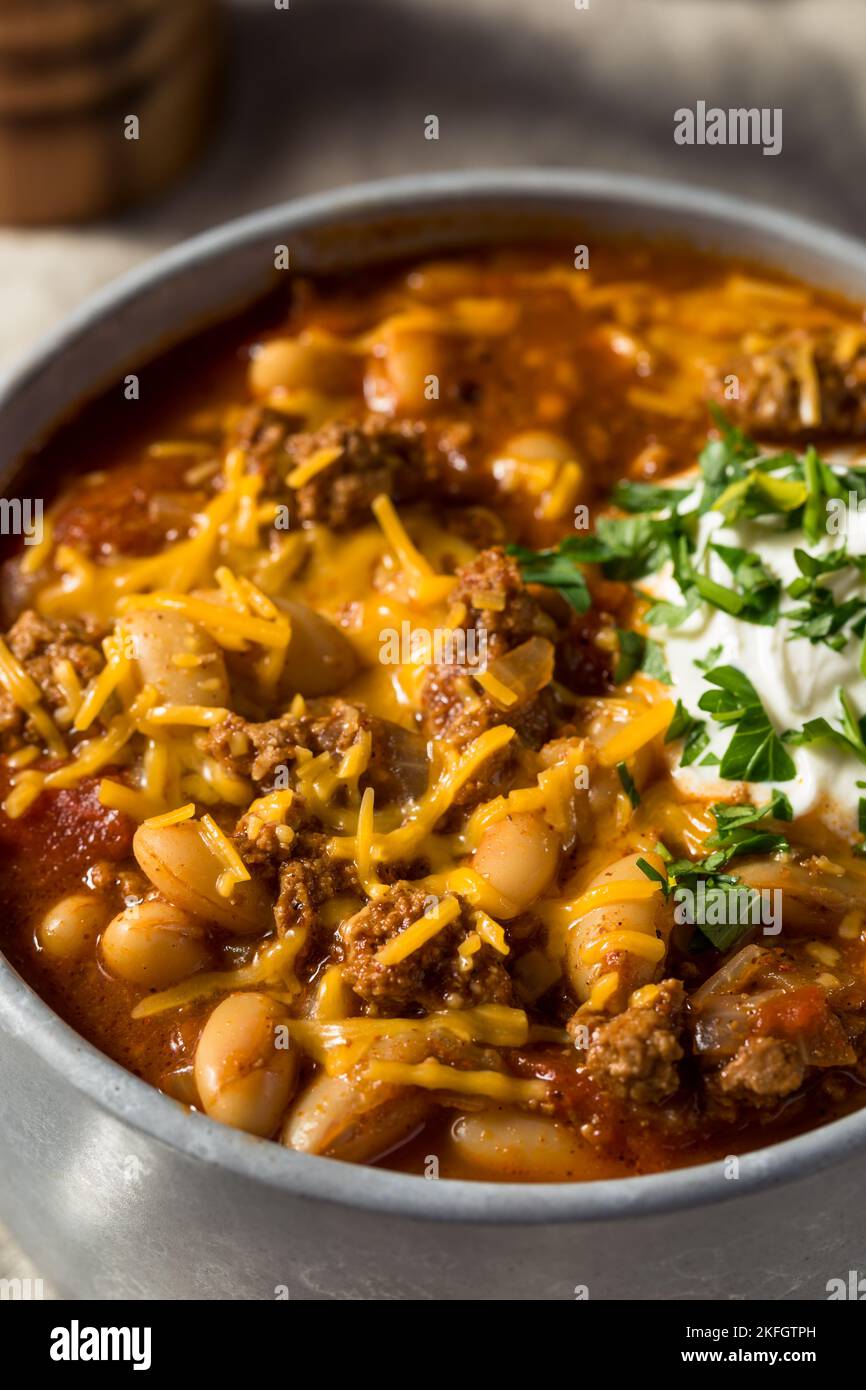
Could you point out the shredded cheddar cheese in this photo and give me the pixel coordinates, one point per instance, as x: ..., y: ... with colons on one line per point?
x: 604, y: 894
x: 320, y: 460
x: 635, y: 943
x: 496, y: 689
x: 603, y: 990
x: 419, y: 933
x: 235, y: 870
x: 102, y: 686
x: 273, y: 967
x: 26, y: 694
x: 636, y: 734
x: 181, y: 813
x: 435, y: 1076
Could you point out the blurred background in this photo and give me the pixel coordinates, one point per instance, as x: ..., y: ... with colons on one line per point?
x: 243, y: 103
x: 318, y: 93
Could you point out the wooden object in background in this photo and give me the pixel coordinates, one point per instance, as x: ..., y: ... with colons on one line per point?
x: 71, y: 74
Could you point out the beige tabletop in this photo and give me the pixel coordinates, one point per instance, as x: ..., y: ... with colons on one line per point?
x: 329, y: 92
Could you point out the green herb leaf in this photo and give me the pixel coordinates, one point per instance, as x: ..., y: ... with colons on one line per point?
x: 759, y: 590
x: 706, y: 663
x: 647, y: 497
x: 639, y: 653
x: 761, y: 494
x: 628, y: 785
x: 694, y: 731
x: 815, y: 510
x: 653, y: 873
x: 736, y: 830
x: 667, y: 614
x: 557, y: 569
x: 636, y: 545
x: 849, y: 737
x: 821, y: 618
x: 631, y: 653
x: 654, y: 663
x: 756, y: 753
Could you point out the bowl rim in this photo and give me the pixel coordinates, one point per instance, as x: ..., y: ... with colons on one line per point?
x: 140, y: 1106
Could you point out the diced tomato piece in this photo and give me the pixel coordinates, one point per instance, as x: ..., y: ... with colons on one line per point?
x: 68, y: 827
x: 793, y: 1014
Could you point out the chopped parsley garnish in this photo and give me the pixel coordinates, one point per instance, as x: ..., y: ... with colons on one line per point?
x: 706, y: 663
x: 654, y: 663
x: 722, y: 461
x: 826, y: 604
x: 667, y: 614
x: 741, y: 483
x: 756, y: 753
x: 761, y: 493
x: 628, y: 785
x: 787, y: 492
x: 739, y: 830
x: 633, y: 546
x: 695, y: 876
x: 757, y: 590
x: 631, y: 654
x: 651, y: 872
x: 557, y: 569
x: 850, y: 736
x: 735, y: 834
x: 647, y: 497
x: 694, y: 732
x: 626, y: 548
x: 821, y: 618
x: 737, y: 480
x: 736, y: 831
x: 639, y: 653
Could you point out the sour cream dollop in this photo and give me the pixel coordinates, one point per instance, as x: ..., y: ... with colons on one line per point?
x: 796, y: 679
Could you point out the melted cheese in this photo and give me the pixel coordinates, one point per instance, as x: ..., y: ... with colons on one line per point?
x: 103, y: 686
x: 559, y: 916
x: 457, y: 771
x: 235, y: 870
x: 637, y: 734
x: 340, y: 1044
x: 634, y: 943
x: 228, y: 627
x: 400, y: 947
x: 181, y: 813
x: 273, y: 967
x: 603, y: 990
x: 26, y: 694
x: 316, y: 463
x: 435, y: 1076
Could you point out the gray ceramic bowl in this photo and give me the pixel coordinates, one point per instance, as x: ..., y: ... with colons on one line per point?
x: 114, y: 1190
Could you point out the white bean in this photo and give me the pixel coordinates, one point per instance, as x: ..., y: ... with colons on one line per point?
x: 518, y: 856
x: 353, y: 1120
x: 504, y: 1142
x: 313, y: 361
x: 809, y: 901
x: 69, y: 929
x: 594, y: 946
x: 177, y: 657
x: 320, y: 659
x: 180, y: 864
x: 153, y: 944
x: 246, y: 1066
x: 404, y: 375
